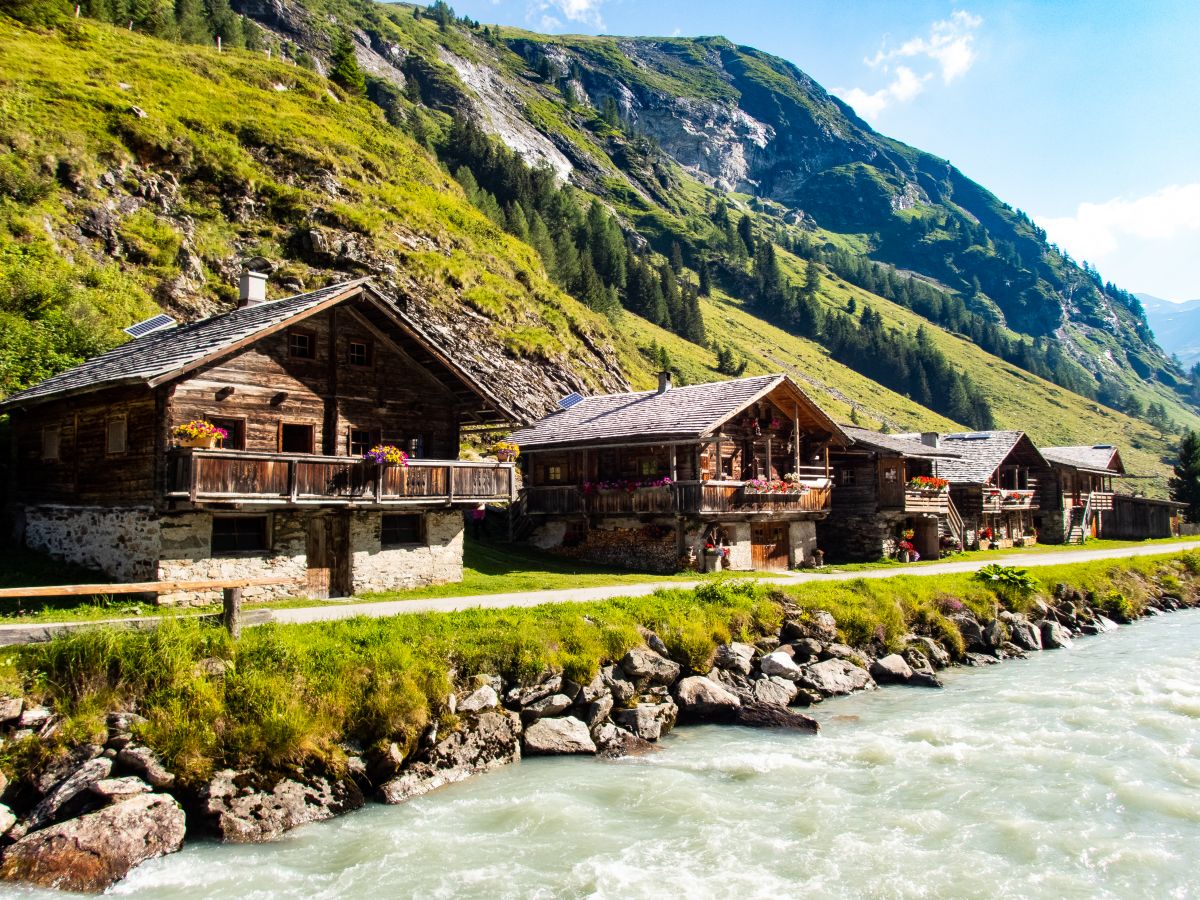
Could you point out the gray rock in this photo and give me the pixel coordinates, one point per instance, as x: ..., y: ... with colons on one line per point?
x: 597, y: 711
x: 640, y: 664
x: 1106, y: 624
x: 621, y: 688
x: 1024, y: 633
x: 1054, y: 635
x: 772, y: 715
x: 779, y: 664
x: 115, y: 790
x: 142, y: 762
x: 774, y: 690
x: 817, y: 624
x: 653, y: 641
x: 243, y: 809
x: 646, y: 720
x: 835, y: 677
x: 924, y: 679
x: 735, y: 657
x: 994, y: 634
x: 735, y: 682
x: 557, y: 737
x: 701, y: 699
x: 528, y: 695
x: 593, y: 691
x: 91, y: 853
x: 553, y: 705
x: 806, y: 650
x: 980, y: 659
x: 384, y: 763
x: 7, y: 820
x: 971, y: 631
x: 34, y: 717
x: 491, y: 741
x: 68, y: 798
x: 840, y: 651
x: 614, y: 742
x: 60, y: 768
x: 10, y: 709
x: 478, y: 700
x: 891, y: 669
x: 932, y: 650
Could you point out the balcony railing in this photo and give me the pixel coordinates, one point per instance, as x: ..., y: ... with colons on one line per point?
x: 682, y: 497
x: 926, y: 501
x: 1001, y: 500
x: 231, y: 476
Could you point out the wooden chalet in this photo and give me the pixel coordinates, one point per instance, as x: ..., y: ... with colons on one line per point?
x: 1080, y: 492
x: 732, y: 473
x: 885, y: 485
x: 997, y: 479
x: 304, y: 387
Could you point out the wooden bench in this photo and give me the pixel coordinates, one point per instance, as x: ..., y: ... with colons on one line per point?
x: 231, y: 591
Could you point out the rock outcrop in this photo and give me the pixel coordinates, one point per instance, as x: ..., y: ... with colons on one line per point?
x: 242, y: 810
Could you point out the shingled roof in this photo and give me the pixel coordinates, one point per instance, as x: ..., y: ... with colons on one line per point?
x: 899, y: 444
x: 680, y: 413
x: 162, y: 356
x: 1102, y: 459
x: 979, y: 454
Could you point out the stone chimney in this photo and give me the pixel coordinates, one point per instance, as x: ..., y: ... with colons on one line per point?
x: 664, y: 382
x: 252, y: 283
x: 930, y: 438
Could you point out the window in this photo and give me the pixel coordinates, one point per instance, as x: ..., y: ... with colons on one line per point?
x: 236, y: 429
x: 301, y: 344
x: 295, y: 438
x: 238, y: 534
x: 51, y: 442
x: 399, y: 530
x: 362, y: 440
x: 115, y: 433
x: 554, y: 473
x: 360, y: 353
x: 649, y: 466
x: 845, y: 477
x: 890, y: 474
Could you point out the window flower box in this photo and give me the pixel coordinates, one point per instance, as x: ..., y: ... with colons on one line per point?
x: 198, y: 434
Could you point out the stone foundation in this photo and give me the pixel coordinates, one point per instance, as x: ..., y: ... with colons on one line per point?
x: 859, y: 538
x: 121, y: 543
x: 621, y: 542
x: 437, y: 561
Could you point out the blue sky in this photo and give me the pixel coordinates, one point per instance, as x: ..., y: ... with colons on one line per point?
x: 1084, y: 114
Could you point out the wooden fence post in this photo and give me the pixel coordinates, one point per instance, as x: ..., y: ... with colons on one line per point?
x: 231, y: 616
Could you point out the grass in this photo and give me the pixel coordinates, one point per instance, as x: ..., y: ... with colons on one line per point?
x: 291, y: 695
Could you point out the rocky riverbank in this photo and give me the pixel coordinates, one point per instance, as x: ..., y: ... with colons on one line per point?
x: 80, y: 816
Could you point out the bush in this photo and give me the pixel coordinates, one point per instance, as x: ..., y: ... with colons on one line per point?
x: 1011, y: 584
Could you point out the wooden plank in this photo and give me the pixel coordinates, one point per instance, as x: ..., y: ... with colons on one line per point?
x: 142, y: 587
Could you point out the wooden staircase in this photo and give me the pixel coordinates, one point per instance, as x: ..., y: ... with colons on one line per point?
x: 1078, y: 526
x: 953, y: 525
x: 520, y: 523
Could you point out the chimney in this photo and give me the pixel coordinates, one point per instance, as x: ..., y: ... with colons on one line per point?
x: 930, y: 438
x: 664, y: 382
x: 252, y: 284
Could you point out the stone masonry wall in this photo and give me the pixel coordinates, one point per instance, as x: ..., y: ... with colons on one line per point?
x: 626, y: 543
x: 803, y: 538
x: 847, y: 538
x: 121, y: 543
x: 437, y: 561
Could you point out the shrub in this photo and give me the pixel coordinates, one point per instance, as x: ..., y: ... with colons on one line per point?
x: 1011, y: 584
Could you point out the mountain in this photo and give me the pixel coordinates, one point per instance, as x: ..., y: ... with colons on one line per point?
x: 572, y: 212
x: 1176, y: 326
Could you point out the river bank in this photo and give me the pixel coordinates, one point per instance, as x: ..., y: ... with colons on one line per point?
x: 607, y: 678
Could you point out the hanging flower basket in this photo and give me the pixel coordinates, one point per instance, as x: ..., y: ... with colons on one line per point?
x: 198, y: 434
x: 506, y: 451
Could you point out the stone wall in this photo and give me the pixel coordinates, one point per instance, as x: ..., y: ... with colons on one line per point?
x: 437, y: 561
x: 1053, y: 525
x: 627, y: 543
x: 121, y: 543
x: 859, y: 538
x: 803, y: 538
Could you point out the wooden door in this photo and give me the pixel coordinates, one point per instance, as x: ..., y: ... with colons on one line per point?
x: 769, y: 546
x: 891, y: 483
x: 329, y: 557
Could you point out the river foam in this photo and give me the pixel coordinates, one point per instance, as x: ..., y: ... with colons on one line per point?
x: 1071, y: 774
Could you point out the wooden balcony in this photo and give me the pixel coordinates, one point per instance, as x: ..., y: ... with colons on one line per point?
x: 996, y: 500
x: 1102, y: 501
x: 234, y: 476
x: 935, y: 503
x: 681, y: 498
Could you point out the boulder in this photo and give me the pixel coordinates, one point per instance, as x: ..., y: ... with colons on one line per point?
x: 779, y: 664
x: 772, y: 715
x: 68, y: 798
x: 120, y: 729
x: 597, y: 711
x: 1106, y: 624
x: 806, y: 650
x: 593, y: 691
x: 641, y: 664
x: 243, y: 809
x: 554, y: 705
x: 614, y: 742
x: 525, y: 696
x: 621, y: 688
x: 116, y: 790
x: 735, y: 682
x: 649, y: 721
x: 835, y: 677
x: 556, y: 737
x: 891, y: 669
x: 1024, y: 633
x: 34, y: 717
x: 60, y: 768
x: 1054, y: 635
x: 816, y: 624
x: 774, y: 690
x: 701, y: 699
x: 10, y: 709
x: 971, y: 631
x: 383, y: 763
x: 735, y: 657
x: 994, y: 634
x: 142, y: 762
x: 924, y: 679
x: 93, y: 852
x: 840, y: 651
x: 490, y: 741
x: 478, y: 700
x: 7, y: 820
x: 653, y: 641
x: 931, y: 649
x: 979, y: 659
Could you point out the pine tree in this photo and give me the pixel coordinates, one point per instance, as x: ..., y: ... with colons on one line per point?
x: 676, y: 257
x: 611, y: 113
x: 812, y: 283
x: 745, y: 232
x: 705, y: 279
x: 189, y: 19
x: 1185, y: 484
x: 344, y: 70
x: 540, y: 240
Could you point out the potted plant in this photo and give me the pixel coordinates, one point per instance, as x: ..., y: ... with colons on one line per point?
x: 506, y: 451
x: 386, y: 455
x: 198, y: 434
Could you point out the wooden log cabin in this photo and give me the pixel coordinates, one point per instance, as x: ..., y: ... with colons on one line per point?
x: 304, y: 387
x: 878, y: 496
x: 733, y: 473
x: 1080, y: 492
x: 997, y: 483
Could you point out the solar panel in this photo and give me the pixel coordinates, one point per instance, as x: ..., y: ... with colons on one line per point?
x: 570, y: 400
x: 155, y: 323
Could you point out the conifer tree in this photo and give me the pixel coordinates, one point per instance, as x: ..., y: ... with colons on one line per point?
x: 344, y: 70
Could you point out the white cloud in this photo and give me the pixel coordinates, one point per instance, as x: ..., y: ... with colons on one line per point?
x: 1098, y: 230
x: 586, y: 12
x: 948, y: 49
